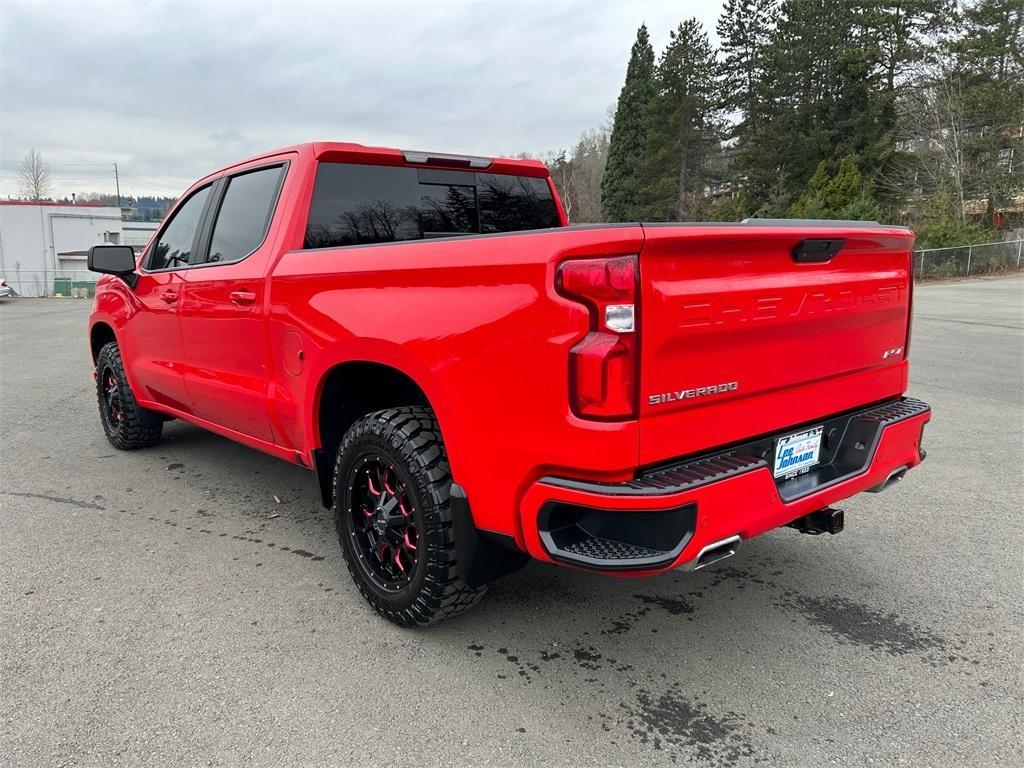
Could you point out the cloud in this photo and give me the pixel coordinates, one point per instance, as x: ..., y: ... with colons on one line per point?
x: 173, y: 91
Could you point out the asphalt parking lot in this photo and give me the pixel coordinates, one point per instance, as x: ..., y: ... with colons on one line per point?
x: 162, y: 608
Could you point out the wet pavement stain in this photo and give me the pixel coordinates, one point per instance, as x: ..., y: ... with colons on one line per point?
x: 626, y: 622
x: 680, y: 726
x: 587, y: 658
x: 864, y: 626
x: 232, y: 536
x: 525, y: 670
x: 304, y: 553
x: 77, y: 503
x: 673, y: 605
x: 664, y: 715
x: 672, y: 720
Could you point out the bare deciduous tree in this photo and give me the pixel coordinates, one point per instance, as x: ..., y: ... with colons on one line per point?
x: 937, y: 116
x: 34, y: 176
x: 578, y: 176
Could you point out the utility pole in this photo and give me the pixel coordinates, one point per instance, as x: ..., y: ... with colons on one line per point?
x: 117, y: 184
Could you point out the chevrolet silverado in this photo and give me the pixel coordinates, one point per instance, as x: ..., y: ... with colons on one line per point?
x: 476, y: 383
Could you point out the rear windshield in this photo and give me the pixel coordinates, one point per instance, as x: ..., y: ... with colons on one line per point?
x: 364, y: 204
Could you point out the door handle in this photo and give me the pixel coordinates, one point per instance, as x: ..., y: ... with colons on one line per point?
x: 242, y: 298
x: 169, y: 297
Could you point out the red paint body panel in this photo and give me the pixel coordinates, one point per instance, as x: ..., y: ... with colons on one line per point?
x: 477, y: 323
x: 723, y: 305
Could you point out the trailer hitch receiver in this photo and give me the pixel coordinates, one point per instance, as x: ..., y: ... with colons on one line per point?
x: 827, y: 520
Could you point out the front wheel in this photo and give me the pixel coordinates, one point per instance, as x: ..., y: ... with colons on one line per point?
x: 125, y: 423
x: 392, y: 508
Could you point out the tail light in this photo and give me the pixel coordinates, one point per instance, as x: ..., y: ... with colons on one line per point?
x: 603, y: 365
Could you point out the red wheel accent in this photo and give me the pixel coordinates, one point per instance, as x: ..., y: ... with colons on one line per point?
x: 383, y: 520
x: 369, y: 483
x: 112, y: 399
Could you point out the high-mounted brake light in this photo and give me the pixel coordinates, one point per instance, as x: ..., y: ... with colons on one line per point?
x: 603, y: 365
x: 450, y: 161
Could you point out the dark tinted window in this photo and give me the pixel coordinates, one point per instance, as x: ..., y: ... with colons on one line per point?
x: 174, y: 248
x: 510, y: 203
x: 361, y: 204
x: 244, y: 214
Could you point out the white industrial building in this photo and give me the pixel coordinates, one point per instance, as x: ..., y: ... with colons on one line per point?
x: 43, y: 245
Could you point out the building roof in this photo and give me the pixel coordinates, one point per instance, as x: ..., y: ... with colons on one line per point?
x: 54, y: 203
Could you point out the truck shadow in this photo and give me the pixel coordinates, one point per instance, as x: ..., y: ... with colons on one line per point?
x: 653, y: 658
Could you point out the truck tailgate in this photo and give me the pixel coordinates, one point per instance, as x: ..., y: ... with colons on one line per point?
x: 739, y: 338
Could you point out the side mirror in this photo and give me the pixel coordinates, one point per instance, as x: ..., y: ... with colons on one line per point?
x: 112, y: 259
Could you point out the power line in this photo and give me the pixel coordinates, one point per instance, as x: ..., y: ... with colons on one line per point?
x: 89, y: 171
x: 152, y: 183
x: 140, y: 176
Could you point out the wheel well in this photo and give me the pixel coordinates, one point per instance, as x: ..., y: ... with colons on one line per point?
x: 352, y: 390
x: 100, y: 335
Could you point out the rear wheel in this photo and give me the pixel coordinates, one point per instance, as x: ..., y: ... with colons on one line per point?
x: 392, y: 508
x: 126, y: 424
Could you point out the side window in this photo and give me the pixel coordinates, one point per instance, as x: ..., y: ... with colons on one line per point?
x: 174, y: 248
x: 513, y: 203
x: 366, y: 204
x: 244, y: 214
x: 361, y: 204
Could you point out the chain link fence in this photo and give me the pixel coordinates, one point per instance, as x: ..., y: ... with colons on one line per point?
x: 967, y: 260
x: 67, y: 283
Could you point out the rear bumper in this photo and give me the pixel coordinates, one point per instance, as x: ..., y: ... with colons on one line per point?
x: 669, y: 514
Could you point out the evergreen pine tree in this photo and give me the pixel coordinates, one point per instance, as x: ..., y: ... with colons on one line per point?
x: 818, y: 81
x: 683, y: 127
x: 621, y: 180
x: 744, y: 28
x: 844, y: 196
x: 845, y: 187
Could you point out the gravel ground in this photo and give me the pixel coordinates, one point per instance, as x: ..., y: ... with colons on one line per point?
x: 162, y: 608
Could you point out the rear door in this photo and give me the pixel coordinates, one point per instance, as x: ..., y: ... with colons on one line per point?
x: 152, y: 340
x: 223, y: 313
x: 748, y: 329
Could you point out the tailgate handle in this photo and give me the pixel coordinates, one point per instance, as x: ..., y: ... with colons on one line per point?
x: 817, y: 251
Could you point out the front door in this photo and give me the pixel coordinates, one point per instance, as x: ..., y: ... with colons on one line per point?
x: 152, y: 340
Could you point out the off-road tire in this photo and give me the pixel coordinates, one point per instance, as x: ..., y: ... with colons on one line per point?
x: 136, y: 427
x: 408, y: 437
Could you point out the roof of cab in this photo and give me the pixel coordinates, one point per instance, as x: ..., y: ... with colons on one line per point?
x: 336, y: 151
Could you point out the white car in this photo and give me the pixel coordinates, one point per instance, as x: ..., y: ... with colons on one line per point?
x: 5, y: 289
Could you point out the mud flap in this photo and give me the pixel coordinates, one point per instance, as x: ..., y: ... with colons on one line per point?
x: 483, y: 556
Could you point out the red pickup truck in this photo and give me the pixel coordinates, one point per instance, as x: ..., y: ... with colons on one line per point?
x: 477, y: 383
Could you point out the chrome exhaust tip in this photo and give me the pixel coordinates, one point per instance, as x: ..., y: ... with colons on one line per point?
x: 713, y: 553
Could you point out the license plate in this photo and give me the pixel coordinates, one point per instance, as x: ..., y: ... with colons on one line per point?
x: 796, y: 453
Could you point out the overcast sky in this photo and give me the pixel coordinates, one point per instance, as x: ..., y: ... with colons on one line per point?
x: 172, y: 91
